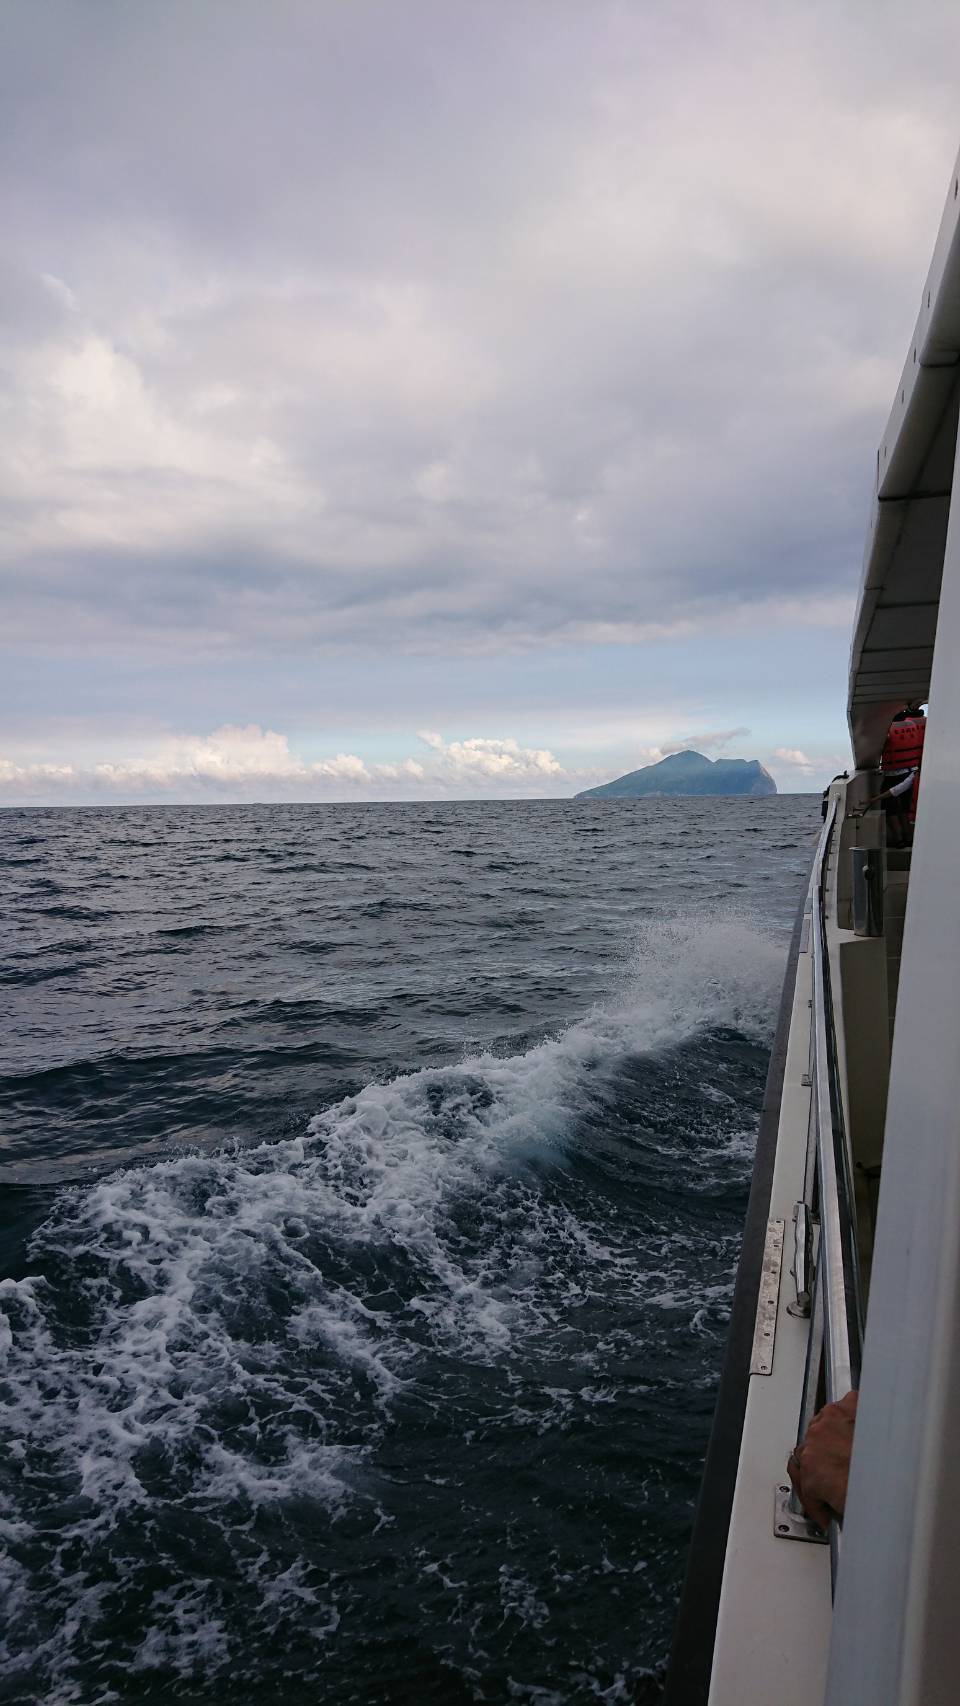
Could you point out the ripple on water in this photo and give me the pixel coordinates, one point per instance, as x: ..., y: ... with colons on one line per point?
x: 416, y: 1392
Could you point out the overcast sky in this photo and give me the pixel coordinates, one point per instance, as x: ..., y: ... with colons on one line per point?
x: 446, y: 396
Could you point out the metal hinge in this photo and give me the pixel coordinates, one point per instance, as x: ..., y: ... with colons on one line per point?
x: 765, y: 1331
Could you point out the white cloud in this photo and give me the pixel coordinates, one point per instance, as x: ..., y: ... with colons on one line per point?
x: 229, y: 754
x: 346, y: 767
x: 25, y: 781
x: 254, y: 763
x: 793, y: 755
x: 500, y: 760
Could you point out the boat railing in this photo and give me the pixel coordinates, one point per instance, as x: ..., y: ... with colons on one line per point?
x: 826, y: 1266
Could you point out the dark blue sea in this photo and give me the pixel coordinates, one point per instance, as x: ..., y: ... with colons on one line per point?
x: 373, y: 1179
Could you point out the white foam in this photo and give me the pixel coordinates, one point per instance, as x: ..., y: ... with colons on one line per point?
x: 176, y: 1269
x: 183, y: 1636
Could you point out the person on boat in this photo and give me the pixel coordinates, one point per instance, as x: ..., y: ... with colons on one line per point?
x: 903, y: 747
x: 819, y: 1467
x: 903, y: 752
x: 896, y: 801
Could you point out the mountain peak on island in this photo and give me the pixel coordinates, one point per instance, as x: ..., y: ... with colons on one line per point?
x: 688, y: 772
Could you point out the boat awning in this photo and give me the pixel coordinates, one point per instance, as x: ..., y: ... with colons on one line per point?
x: 896, y: 621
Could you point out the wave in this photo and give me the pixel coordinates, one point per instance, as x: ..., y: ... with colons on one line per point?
x: 218, y: 1346
x: 186, y: 931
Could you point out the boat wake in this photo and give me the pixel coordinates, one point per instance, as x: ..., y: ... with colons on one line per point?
x: 239, y: 1386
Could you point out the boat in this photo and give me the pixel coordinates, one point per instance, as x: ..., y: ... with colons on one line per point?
x: 849, y: 1277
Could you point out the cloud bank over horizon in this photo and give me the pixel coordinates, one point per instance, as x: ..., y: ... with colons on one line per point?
x: 518, y: 366
x: 237, y: 765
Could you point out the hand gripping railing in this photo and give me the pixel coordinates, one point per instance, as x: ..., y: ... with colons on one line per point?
x: 836, y: 1315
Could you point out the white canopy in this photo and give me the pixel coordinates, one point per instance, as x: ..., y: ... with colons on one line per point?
x: 896, y: 620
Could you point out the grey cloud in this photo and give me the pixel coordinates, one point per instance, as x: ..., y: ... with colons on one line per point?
x: 449, y: 328
x: 711, y: 739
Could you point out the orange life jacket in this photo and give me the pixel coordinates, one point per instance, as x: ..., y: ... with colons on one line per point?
x: 904, y: 751
x: 904, y: 745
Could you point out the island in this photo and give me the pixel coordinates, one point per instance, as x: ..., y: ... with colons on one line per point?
x: 688, y: 773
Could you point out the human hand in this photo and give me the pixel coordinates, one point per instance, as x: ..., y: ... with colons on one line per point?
x: 820, y: 1466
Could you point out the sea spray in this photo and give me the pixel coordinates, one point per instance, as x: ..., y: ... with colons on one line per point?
x: 405, y: 1404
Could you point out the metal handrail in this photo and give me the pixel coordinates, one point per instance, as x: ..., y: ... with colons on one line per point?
x: 837, y: 1262
x: 836, y: 1324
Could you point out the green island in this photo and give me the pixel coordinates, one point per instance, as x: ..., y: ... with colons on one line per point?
x: 688, y: 773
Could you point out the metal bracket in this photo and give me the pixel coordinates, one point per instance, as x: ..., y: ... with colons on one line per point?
x: 789, y: 1524
x: 801, y: 1261
x: 765, y: 1331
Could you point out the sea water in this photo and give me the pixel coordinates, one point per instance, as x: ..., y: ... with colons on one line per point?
x: 373, y: 1180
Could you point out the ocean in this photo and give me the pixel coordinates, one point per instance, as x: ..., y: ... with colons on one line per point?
x: 373, y: 1178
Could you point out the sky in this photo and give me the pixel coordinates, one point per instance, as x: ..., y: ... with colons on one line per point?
x: 425, y: 398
